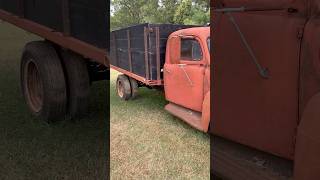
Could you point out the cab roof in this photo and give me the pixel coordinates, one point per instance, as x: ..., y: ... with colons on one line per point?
x: 203, y: 32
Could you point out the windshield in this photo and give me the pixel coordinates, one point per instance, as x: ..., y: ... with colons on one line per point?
x: 208, y: 43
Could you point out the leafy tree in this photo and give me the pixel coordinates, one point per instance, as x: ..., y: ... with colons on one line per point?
x: 130, y: 12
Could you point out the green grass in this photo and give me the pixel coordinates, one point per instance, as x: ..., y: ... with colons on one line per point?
x: 32, y: 149
x: 149, y: 143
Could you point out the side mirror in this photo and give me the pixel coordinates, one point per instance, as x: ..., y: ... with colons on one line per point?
x: 174, y: 49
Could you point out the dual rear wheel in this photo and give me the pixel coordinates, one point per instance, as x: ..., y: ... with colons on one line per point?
x: 55, y: 83
x: 127, y: 87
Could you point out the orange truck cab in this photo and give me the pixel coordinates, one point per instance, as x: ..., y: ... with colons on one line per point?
x: 187, y: 76
x: 267, y: 82
x: 175, y: 58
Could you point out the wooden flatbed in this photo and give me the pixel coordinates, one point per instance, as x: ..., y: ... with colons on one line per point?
x: 63, y: 33
x: 139, y: 51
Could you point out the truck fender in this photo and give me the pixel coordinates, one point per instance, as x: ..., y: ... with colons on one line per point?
x: 205, y: 119
x: 307, y: 150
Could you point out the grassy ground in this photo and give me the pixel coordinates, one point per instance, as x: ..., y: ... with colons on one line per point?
x: 32, y: 149
x: 149, y: 143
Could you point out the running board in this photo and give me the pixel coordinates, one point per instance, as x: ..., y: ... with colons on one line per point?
x: 232, y: 161
x: 191, y: 117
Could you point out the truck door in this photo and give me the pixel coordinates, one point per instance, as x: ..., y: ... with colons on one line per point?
x: 184, y: 72
x: 250, y: 106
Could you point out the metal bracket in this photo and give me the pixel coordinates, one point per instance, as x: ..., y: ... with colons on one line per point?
x: 185, y: 72
x: 224, y: 10
x: 264, y: 72
x: 245, y: 9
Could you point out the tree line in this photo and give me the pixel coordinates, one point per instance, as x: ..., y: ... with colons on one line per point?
x: 130, y: 12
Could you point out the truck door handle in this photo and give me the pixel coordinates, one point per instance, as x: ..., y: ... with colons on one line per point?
x: 166, y: 70
x: 185, y: 72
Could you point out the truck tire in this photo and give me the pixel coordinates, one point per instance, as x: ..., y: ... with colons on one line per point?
x: 123, y: 87
x: 78, y: 84
x: 134, y: 88
x: 43, y: 82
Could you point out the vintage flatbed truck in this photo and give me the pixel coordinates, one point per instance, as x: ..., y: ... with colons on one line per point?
x: 174, y: 58
x: 266, y: 89
x: 56, y: 72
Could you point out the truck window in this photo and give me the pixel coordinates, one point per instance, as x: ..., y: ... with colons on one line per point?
x: 190, y: 50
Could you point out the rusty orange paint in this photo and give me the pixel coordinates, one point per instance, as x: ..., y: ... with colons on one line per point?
x: 187, y: 83
x: 247, y: 108
x: 138, y: 78
x: 280, y: 114
x: 205, y: 119
x: 307, y: 163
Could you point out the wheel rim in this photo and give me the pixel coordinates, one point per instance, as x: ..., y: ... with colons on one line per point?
x: 34, y: 87
x: 120, y: 89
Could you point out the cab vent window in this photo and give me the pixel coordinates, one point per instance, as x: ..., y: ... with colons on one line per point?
x: 190, y: 50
